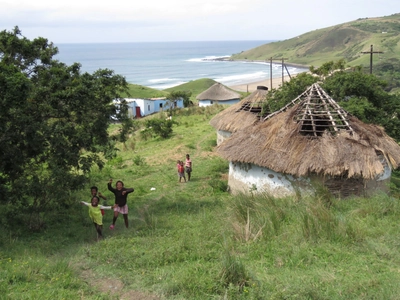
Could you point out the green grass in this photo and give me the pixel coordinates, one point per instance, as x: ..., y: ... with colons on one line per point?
x: 195, y: 87
x: 139, y: 91
x: 196, y: 241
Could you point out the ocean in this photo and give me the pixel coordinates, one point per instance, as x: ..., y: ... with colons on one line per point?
x: 161, y: 65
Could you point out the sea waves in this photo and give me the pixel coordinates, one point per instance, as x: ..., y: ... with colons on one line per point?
x: 162, y: 65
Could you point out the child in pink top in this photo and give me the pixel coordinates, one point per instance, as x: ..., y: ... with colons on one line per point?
x: 188, y: 165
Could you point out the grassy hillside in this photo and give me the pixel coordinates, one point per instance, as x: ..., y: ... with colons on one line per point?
x: 140, y: 91
x: 196, y: 241
x: 345, y: 41
x: 195, y: 87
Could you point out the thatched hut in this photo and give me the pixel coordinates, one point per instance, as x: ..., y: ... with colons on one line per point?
x: 218, y: 93
x: 310, y: 142
x: 240, y: 115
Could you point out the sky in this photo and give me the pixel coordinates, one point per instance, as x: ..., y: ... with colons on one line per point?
x: 88, y: 21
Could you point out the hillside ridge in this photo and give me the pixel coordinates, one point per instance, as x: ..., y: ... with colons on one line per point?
x: 342, y: 41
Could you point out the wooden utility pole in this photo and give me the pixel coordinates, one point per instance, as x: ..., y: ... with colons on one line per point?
x: 371, y: 52
x: 270, y: 72
x: 283, y: 66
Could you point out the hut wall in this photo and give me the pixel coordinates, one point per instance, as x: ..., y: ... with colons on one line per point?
x: 222, y: 135
x: 227, y: 102
x: 374, y: 186
x: 246, y: 178
x: 346, y: 187
x: 205, y: 102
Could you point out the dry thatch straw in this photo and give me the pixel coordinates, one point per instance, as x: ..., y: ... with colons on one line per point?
x: 218, y: 92
x: 242, y: 114
x: 281, y: 144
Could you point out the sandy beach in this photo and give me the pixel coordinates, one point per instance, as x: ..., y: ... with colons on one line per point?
x: 251, y: 87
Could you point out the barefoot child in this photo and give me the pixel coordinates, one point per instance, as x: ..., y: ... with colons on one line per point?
x: 95, y: 214
x: 188, y: 165
x: 121, y: 195
x: 181, y: 171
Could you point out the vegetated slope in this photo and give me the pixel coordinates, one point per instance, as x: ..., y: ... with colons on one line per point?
x: 140, y: 91
x: 343, y: 41
x: 194, y: 86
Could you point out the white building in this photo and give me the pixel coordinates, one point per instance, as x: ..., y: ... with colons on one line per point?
x: 138, y: 108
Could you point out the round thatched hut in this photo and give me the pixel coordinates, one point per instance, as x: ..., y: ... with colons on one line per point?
x: 218, y: 93
x: 240, y: 115
x: 312, y: 141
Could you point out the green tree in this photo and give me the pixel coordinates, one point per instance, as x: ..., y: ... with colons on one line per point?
x: 185, y: 95
x: 361, y: 94
x: 277, y: 98
x: 53, y: 124
x: 364, y: 96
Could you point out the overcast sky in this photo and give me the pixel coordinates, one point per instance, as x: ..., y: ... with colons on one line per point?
x: 89, y: 21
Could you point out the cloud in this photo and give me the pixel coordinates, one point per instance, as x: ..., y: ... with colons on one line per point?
x: 178, y: 20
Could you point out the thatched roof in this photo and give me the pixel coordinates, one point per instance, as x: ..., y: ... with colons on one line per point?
x: 314, y: 137
x: 218, y: 92
x: 244, y: 113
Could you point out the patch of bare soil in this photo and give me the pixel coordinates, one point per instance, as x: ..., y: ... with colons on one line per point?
x: 115, y: 287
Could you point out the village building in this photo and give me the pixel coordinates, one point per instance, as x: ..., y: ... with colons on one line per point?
x: 240, y: 115
x: 138, y: 108
x: 218, y: 94
x: 310, y: 142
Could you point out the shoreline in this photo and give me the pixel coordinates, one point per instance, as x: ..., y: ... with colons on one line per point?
x: 276, y: 62
x: 276, y: 81
x: 252, y: 86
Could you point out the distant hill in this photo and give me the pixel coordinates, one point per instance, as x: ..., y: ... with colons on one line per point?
x: 343, y: 41
x: 196, y: 87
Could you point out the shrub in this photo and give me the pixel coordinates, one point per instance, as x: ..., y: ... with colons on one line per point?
x: 160, y: 127
x: 139, y: 161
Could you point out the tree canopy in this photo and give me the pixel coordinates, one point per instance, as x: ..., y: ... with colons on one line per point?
x: 53, y: 122
x: 358, y: 92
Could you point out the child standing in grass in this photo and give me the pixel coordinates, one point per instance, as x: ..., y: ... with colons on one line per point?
x: 188, y: 165
x: 95, y: 192
x: 181, y: 171
x: 121, y: 195
x: 95, y: 214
